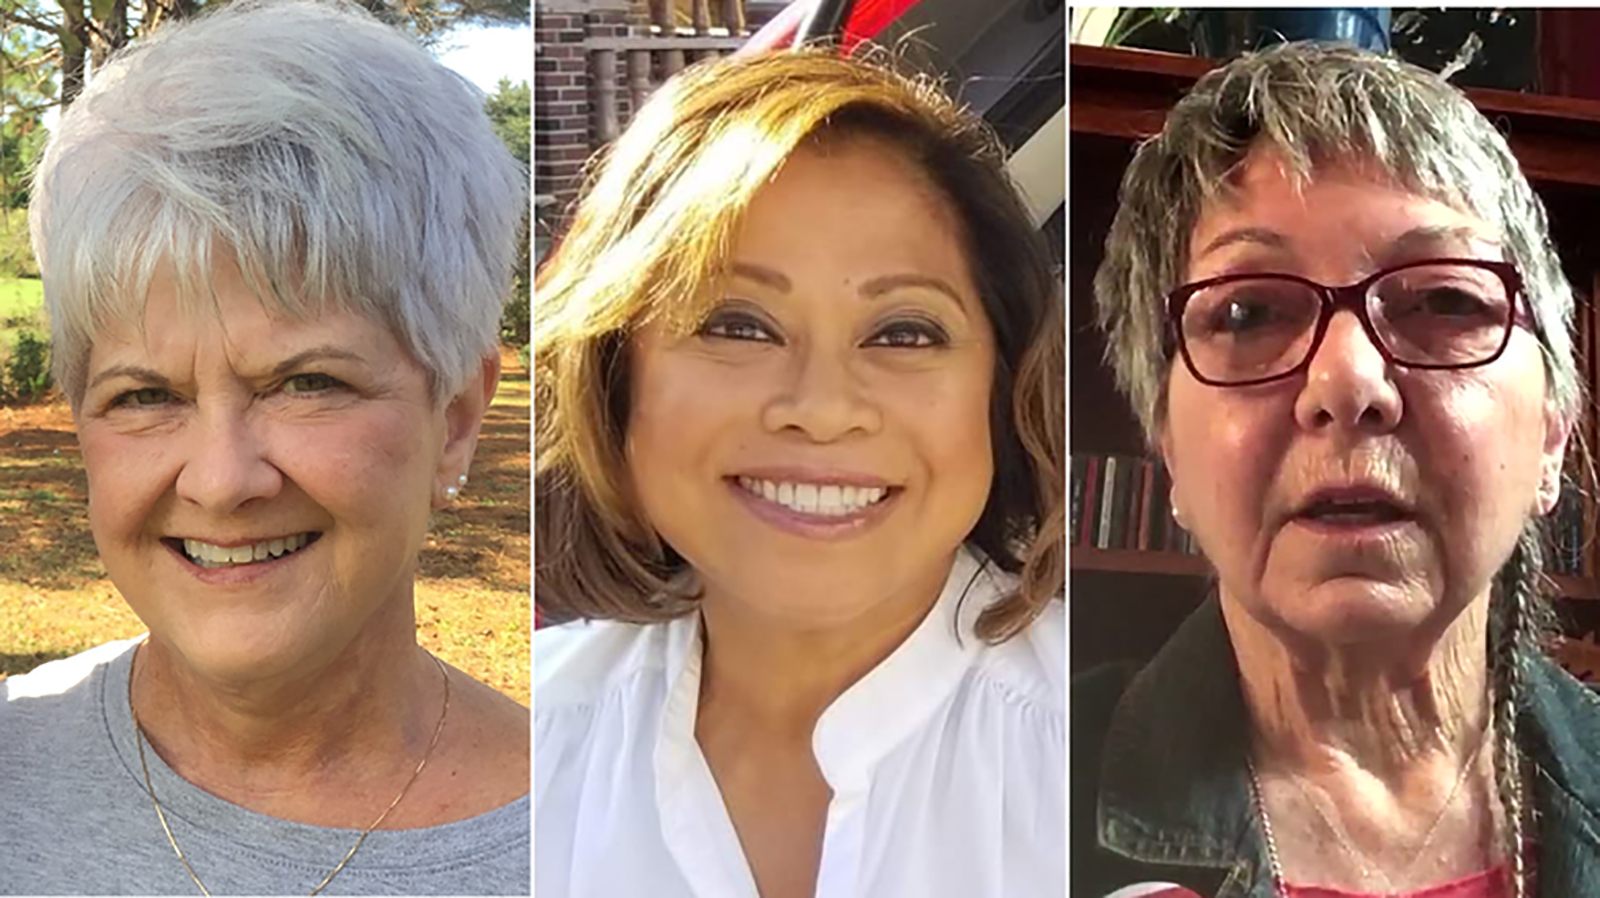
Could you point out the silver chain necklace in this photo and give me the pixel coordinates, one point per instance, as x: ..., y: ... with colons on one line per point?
x: 138, y: 741
x: 1364, y: 863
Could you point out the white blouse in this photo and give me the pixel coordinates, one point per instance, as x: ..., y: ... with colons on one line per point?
x: 947, y: 763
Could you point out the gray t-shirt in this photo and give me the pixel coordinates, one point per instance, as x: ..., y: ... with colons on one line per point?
x: 75, y: 818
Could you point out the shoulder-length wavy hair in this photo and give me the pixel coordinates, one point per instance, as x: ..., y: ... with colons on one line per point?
x: 655, y: 229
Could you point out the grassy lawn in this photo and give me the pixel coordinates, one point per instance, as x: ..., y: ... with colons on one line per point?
x: 21, y: 298
x: 21, y: 307
x: 472, y: 587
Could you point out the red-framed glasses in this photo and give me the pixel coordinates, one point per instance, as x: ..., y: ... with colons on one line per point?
x: 1238, y: 330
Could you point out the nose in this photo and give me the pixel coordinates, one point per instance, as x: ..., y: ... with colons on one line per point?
x: 1348, y: 383
x: 821, y: 398
x: 225, y: 466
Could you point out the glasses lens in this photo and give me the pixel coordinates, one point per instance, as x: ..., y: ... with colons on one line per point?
x: 1250, y: 328
x: 1441, y: 314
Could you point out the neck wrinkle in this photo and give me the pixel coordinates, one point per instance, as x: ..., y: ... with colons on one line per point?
x: 1383, y: 708
x: 379, y: 699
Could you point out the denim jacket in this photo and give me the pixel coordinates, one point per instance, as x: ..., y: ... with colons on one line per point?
x: 1160, y: 790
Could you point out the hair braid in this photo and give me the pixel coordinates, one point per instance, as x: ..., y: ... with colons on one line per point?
x: 1519, y: 621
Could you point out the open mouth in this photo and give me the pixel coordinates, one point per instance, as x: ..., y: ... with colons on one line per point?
x: 828, y: 500
x: 1351, y: 513
x: 212, y: 556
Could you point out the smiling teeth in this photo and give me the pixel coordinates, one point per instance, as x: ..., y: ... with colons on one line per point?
x: 828, y: 500
x: 208, y: 555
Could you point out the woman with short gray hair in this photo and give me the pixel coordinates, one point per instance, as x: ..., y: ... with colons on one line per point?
x: 275, y: 242
x: 1332, y: 299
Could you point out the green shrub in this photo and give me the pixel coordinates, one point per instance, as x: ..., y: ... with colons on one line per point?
x: 28, y: 371
x: 16, y: 253
x: 514, y: 318
x: 514, y: 325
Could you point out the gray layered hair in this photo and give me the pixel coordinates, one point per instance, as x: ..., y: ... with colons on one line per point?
x: 1319, y: 105
x: 1316, y: 104
x: 341, y: 166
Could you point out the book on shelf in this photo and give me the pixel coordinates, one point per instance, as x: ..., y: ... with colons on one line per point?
x: 1123, y: 501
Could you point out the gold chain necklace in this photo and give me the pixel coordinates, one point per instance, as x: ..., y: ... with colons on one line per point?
x: 1363, y: 862
x: 138, y: 740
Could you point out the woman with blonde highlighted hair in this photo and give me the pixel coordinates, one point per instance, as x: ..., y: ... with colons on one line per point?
x: 798, y: 463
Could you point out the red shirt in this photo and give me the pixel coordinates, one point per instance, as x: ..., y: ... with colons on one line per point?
x: 1491, y: 883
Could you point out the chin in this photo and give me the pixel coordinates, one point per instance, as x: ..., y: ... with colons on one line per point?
x: 235, y: 654
x: 233, y: 646
x: 1352, y: 610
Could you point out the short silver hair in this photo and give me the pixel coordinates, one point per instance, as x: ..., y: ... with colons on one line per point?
x: 1316, y: 103
x: 341, y: 165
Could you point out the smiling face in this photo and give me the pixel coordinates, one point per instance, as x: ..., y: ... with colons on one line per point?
x: 820, y: 446
x: 212, y: 439
x: 1357, y: 499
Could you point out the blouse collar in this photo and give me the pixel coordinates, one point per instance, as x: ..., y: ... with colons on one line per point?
x: 877, y: 712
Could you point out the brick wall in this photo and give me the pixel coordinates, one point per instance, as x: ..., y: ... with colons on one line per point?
x: 560, y: 110
x: 564, y: 130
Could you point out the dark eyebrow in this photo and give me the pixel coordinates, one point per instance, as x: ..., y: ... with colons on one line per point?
x: 1261, y: 236
x: 763, y: 275
x: 879, y: 285
x: 872, y: 289
x: 143, y: 375
x: 315, y: 354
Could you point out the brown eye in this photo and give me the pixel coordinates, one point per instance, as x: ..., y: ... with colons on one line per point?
x: 909, y: 335
x: 741, y: 326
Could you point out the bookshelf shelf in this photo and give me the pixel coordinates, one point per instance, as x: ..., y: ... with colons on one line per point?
x: 1577, y: 589
x: 1135, y: 561
x: 1126, y: 93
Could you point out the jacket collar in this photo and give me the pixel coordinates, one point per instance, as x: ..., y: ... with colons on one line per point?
x: 1175, y: 787
x: 1562, y: 718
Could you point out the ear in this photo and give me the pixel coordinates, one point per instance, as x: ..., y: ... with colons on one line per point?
x: 463, y: 415
x: 1164, y: 446
x: 1557, y: 428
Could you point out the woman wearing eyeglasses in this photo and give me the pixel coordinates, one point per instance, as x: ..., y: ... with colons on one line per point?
x: 1333, y: 302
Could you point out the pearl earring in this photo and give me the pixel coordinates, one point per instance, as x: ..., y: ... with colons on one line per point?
x: 450, y: 493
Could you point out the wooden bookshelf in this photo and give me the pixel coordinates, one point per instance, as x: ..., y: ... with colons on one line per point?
x: 1088, y: 558
x: 1126, y: 94
x: 1578, y: 588
x: 1119, y: 97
